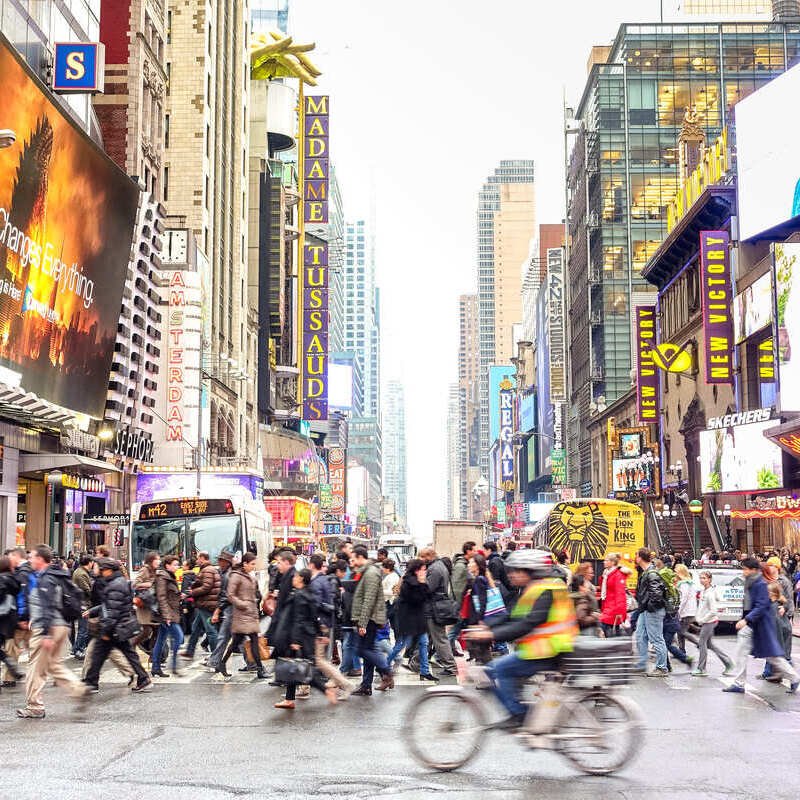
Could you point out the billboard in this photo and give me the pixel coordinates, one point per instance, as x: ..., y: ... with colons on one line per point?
x: 152, y: 486
x: 752, y: 310
x: 557, y: 340
x: 768, y: 156
x: 340, y: 386
x: 67, y: 216
x: 497, y: 375
x: 787, y: 291
x: 739, y: 458
x: 647, y: 379
x: 545, y: 410
x: 715, y: 283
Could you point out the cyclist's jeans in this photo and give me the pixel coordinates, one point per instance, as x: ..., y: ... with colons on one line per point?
x: 507, y: 672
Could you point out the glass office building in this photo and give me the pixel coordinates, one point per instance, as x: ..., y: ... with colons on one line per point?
x: 269, y: 15
x: 623, y: 172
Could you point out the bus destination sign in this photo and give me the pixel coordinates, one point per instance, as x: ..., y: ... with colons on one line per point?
x: 189, y: 507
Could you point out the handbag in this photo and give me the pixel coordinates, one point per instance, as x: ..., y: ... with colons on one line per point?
x: 263, y: 650
x: 494, y: 602
x: 268, y: 605
x: 293, y: 670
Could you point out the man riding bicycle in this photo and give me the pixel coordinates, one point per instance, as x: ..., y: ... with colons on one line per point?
x: 542, y: 624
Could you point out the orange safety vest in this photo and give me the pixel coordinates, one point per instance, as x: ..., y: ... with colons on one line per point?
x: 557, y: 634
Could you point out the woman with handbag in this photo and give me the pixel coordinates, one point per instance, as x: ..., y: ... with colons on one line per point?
x: 295, y: 665
x: 242, y: 593
x: 411, y: 622
x: 486, y: 604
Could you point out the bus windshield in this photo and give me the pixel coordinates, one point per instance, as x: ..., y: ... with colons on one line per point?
x: 186, y: 537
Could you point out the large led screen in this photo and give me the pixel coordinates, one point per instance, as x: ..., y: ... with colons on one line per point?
x: 740, y: 459
x: 752, y: 311
x: 787, y: 291
x: 340, y: 386
x: 66, y: 222
x: 768, y: 155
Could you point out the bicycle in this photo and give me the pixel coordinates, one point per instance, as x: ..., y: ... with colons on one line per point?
x: 578, y: 713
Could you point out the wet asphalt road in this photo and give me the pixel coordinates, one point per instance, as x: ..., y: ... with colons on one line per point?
x: 207, y: 740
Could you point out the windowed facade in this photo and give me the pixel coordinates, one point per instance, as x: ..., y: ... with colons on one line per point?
x: 624, y: 173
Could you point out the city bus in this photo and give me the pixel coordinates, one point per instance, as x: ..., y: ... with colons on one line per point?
x: 187, y: 526
x: 589, y: 528
x: 400, y: 545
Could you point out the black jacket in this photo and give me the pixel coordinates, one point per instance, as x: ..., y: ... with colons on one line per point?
x: 305, y: 622
x: 117, y: 619
x: 9, y: 585
x: 224, y: 577
x: 516, y: 628
x: 650, y: 590
x: 497, y: 567
x: 285, y: 589
x: 411, y: 604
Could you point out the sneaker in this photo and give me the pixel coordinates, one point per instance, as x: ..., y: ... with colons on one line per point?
x: 761, y: 676
x: 30, y: 713
x: 91, y: 688
x: 658, y: 673
x: 448, y: 671
x: 699, y: 673
x: 429, y: 677
x: 734, y: 689
x: 146, y: 686
x: 793, y: 687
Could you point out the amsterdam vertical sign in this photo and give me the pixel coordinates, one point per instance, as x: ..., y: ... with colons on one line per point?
x: 314, y: 297
x: 647, y: 378
x: 715, y: 282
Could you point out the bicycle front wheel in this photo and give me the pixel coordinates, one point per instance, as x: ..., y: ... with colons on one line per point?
x: 444, y: 729
x: 600, y: 733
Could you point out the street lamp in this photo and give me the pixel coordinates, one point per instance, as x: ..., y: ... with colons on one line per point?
x: 696, y: 509
x: 666, y: 513
x: 725, y: 514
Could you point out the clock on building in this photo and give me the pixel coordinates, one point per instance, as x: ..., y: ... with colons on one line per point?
x: 177, y: 247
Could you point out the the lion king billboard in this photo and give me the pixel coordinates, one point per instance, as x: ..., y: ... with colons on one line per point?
x: 588, y: 529
x: 66, y: 225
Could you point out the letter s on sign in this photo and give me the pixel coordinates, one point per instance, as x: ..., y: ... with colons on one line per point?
x: 75, y: 66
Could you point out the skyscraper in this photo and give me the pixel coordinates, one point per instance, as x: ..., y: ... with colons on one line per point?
x: 394, y: 449
x: 506, y: 218
x: 362, y: 312
x: 266, y: 15
x: 454, y: 450
x: 623, y: 173
x: 206, y: 190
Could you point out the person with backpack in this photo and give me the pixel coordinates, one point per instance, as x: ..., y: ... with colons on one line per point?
x: 52, y: 611
x: 650, y: 602
x: 20, y: 639
x: 118, y: 625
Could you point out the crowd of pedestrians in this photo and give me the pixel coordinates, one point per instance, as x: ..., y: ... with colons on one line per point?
x: 345, y: 624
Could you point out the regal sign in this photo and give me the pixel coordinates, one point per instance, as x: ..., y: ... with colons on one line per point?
x: 506, y: 435
x: 647, y: 378
x: 715, y: 282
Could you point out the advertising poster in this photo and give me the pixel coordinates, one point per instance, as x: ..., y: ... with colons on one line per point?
x: 740, y: 458
x: 67, y: 216
x: 787, y: 291
x: 557, y: 344
x: 588, y: 529
x: 752, y: 310
x: 151, y: 486
x: 647, y: 379
x: 768, y: 158
x: 715, y: 286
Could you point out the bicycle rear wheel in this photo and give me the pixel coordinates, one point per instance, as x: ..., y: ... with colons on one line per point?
x: 444, y: 729
x: 600, y: 733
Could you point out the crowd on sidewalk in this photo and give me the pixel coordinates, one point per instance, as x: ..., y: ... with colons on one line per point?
x: 344, y: 625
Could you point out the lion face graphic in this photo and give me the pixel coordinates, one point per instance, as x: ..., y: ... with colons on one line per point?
x: 581, y: 530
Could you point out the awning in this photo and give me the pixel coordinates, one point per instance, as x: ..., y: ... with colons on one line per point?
x: 36, y: 465
x: 766, y: 513
x: 786, y: 436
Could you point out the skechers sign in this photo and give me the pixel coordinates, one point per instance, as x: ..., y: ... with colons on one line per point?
x: 79, y: 67
x: 507, y: 435
x: 715, y: 278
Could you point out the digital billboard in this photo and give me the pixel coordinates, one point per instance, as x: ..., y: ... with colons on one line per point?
x: 67, y: 215
x: 340, y: 386
x: 787, y: 291
x: 768, y: 155
x: 752, y: 310
x: 739, y: 458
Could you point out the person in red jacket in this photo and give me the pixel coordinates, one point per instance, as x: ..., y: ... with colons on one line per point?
x: 614, y: 600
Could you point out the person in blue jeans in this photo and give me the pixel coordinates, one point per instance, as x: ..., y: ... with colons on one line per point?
x: 411, y: 621
x: 650, y: 624
x: 168, y: 597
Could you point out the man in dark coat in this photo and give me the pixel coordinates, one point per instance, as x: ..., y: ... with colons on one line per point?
x: 757, y: 632
x: 118, y: 626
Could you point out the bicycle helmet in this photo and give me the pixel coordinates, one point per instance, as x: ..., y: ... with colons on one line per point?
x: 536, y: 561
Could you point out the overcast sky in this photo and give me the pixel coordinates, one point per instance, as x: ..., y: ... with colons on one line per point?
x: 426, y: 97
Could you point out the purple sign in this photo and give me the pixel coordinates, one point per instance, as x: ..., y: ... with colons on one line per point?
x: 316, y: 167
x: 315, y: 331
x: 715, y: 280
x: 647, y: 380
x: 152, y: 486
